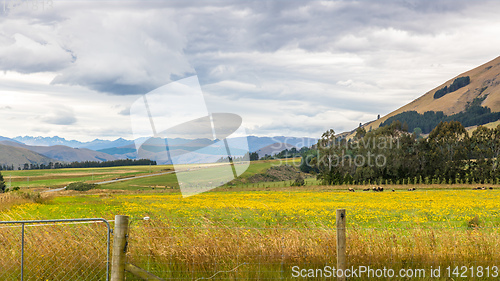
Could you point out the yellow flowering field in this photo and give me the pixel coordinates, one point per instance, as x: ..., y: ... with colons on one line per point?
x: 263, y: 234
x: 435, y: 208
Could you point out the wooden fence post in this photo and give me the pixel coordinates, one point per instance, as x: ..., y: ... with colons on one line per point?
x: 120, y: 234
x: 341, y: 243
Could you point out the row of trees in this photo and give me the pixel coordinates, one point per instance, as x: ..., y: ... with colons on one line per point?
x: 85, y: 164
x: 391, y: 155
x: 287, y: 153
x: 6, y: 167
x: 254, y: 156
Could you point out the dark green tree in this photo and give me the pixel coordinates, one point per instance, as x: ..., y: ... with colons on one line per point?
x: 448, y: 143
x: 328, y: 158
x: 2, y: 184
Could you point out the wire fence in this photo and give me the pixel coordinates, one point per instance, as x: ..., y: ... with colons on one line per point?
x: 74, y: 249
x: 287, y: 253
x: 79, y: 250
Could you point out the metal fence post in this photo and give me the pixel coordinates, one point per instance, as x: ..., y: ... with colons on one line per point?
x: 341, y: 243
x: 22, y: 252
x: 120, y: 234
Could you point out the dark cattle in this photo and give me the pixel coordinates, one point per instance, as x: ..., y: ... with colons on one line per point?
x: 366, y: 189
x: 351, y: 189
x: 393, y: 190
x: 411, y: 189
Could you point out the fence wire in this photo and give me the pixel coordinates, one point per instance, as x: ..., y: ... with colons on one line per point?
x: 76, y: 251
x: 270, y: 253
x: 54, y: 250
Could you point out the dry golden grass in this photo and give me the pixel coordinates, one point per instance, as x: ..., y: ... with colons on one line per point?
x: 77, y: 252
x: 54, y: 252
x: 264, y: 254
x: 9, y: 199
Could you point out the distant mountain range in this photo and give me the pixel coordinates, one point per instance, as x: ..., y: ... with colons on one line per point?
x: 254, y: 143
x: 50, y: 141
x: 42, y: 150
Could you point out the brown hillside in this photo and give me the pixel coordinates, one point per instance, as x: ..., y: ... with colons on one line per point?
x: 64, y: 153
x: 18, y: 156
x: 486, y: 75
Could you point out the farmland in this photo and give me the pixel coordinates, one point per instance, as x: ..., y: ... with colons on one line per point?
x: 55, y: 178
x: 287, y: 208
x: 264, y: 229
x: 61, y: 177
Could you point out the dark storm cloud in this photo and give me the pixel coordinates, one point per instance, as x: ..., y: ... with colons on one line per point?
x: 132, y: 48
x: 302, y: 66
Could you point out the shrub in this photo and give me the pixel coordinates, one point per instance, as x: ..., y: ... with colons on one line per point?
x: 81, y: 186
x: 15, y: 188
x: 474, y: 222
x: 299, y: 181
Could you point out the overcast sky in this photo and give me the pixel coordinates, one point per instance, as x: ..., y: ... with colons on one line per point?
x: 292, y: 68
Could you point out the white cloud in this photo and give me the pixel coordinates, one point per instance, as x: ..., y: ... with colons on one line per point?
x: 287, y: 67
x: 60, y: 115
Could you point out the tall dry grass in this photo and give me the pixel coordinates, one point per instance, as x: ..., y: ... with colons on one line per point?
x: 9, y: 199
x: 268, y: 254
x: 54, y: 252
x: 77, y: 252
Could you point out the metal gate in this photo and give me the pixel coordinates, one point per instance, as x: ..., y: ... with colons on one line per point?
x: 64, y: 249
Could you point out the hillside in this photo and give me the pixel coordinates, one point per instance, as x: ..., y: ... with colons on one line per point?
x: 18, y: 156
x: 64, y: 153
x: 273, y: 149
x: 484, y: 85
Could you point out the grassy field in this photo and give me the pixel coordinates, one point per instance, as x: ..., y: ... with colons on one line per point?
x: 61, y: 177
x: 283, y: 207
x: 260, y: 231
x: 271, y: 230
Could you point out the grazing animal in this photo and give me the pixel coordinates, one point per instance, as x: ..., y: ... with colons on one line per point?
x: 351, y: 189
x: 366, y: 189
x: 491, y: 187
x: 374, y: 188
x: 393, y: 190
x: 380, y: 188
x: 411, y: 189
